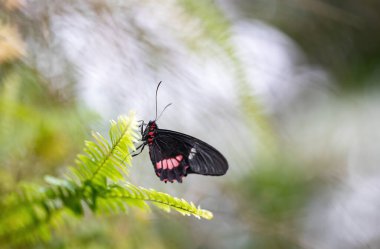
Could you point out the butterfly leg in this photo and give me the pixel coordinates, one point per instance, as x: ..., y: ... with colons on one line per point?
x: 141, y: 125
x: 141, y: 150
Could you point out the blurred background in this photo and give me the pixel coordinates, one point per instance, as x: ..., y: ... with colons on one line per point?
x: 288, y: 91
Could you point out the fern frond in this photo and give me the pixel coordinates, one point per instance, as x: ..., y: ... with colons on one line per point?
x: 29, y: 214
x: 103, y: 160
x: 139, y: 196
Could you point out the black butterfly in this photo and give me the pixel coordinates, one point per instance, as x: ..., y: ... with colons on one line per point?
x: 174, y: 155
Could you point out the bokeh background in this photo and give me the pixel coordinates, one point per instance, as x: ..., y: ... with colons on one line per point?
x: 287, y: 90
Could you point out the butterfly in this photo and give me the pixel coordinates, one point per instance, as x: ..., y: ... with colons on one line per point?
x: 174, y: 155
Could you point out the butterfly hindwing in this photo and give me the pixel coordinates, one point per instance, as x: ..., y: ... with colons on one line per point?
x: 169, y: 159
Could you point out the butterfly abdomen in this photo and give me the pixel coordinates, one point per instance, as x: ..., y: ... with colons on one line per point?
x: 152, y: 131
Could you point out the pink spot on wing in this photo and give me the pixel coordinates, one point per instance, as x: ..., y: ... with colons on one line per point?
x: 170, y: 163
x: 175, y: 163
x: 159, y: 165
x: 179, y: 158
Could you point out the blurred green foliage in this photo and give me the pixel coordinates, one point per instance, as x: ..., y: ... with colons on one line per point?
x: 341, y: 36
x: 37, y: 127
x: 39, y: 131
x: 273, y: 198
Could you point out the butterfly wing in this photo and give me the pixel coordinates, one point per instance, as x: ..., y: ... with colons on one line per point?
x: 184, y: 154
x: 168, y: 158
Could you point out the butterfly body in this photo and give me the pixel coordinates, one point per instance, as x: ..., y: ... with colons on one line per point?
x: 174, y: 155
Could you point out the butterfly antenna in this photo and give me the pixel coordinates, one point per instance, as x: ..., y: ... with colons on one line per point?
x: 163, y: 110
x: 156, y: 97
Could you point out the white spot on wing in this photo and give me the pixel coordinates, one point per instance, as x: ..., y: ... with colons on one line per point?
x: 193, y: 151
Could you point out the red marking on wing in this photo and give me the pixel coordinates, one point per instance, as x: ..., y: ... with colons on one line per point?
x: 173, y: 163
x: 171, y: 169
x: 169, y: 163
x: 159, y: 165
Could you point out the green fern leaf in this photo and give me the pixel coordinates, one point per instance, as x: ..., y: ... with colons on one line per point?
x: 140, y: 195
x: 104, y: 161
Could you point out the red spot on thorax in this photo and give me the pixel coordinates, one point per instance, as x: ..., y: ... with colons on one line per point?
x: 151, y: 133
x: 152, y: 126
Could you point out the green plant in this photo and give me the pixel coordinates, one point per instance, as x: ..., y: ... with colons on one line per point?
x: 96, y: 183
